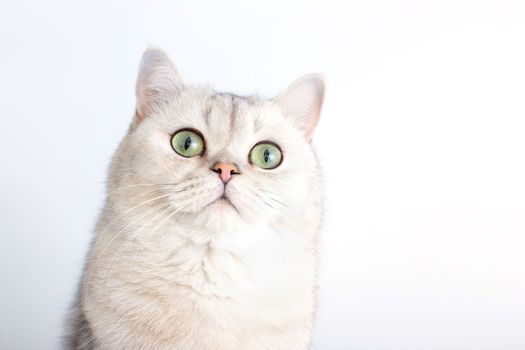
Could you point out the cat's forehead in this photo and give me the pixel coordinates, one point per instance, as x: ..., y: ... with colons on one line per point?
x: 232, y: 121
x: 225, y: 117
x: 229, y: 114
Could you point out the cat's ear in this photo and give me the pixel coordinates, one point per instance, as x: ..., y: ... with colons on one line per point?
x: 302, y: 102
x: 157, y: 83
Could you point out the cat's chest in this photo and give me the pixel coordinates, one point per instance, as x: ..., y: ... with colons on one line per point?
x: 178, y: 285
x: 252, y: 262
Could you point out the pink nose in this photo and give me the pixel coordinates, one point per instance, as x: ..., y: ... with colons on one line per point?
x: 225, y: 170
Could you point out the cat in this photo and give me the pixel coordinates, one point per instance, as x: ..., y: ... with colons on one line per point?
x: 207, y: 239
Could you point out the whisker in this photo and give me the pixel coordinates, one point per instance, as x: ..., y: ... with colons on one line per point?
x: 272, y: 198
x: 137, y: 185
x: 261, y: 190
x: 143, y: 193
x: 277, y: 201
x: 129, y: 239
x: 145, y: 241
x: 136, y: 232
x: 130, y: 209
x: 265, y: 202
x: 189, y: 181
x: 98, y: 258
x: 147, y: 219
x: 142, y: 203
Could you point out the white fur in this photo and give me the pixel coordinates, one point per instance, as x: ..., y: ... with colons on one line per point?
x: 172, y: 267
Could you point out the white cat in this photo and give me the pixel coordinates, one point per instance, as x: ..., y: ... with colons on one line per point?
x: 208, y: 235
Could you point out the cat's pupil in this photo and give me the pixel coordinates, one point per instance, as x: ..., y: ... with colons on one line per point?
x: 266, y: 155
x: 187, y: 143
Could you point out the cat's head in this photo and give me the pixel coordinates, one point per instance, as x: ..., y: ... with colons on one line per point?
x: 218, y: 157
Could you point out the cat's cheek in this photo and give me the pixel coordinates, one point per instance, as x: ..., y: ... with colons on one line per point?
x: 196, y: 201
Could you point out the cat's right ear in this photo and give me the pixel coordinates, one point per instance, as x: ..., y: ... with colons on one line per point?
x: 157, y: 83
x: 302, y: 102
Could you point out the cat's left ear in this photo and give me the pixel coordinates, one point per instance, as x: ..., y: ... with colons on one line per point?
x: 302, y: 102
x: 157, y: 83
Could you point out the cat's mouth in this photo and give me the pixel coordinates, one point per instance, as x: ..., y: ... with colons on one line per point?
x: 224, y: 200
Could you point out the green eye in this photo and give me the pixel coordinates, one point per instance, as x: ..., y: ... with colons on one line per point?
x: 188, y: 143
x: 266, y: 155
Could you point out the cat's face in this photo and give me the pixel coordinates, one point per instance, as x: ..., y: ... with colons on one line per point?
x: 220, y: 157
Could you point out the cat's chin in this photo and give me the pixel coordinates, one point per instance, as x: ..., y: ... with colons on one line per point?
x: 223, y: 205
x: 221, y: 215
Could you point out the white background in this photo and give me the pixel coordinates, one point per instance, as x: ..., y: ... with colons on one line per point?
x: 422, y: 141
